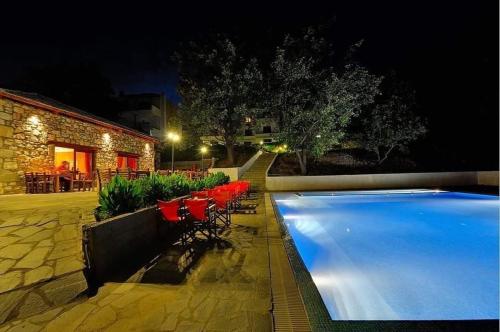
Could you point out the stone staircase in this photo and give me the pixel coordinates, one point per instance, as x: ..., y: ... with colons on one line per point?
x: 257, y: 173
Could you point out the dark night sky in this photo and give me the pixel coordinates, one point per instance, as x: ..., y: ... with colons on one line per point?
x: 448, y: 50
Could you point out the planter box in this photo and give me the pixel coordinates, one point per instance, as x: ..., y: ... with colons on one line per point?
x: 120, y: 243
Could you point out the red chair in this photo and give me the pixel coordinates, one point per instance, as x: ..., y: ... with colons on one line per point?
x: 174, y: 212
x: 202, y: 216
x: 223, y: 201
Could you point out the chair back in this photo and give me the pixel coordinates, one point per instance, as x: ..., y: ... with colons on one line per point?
x: 197, y: 208
x: 124, y: 173
x: 142, y: 173
x: 221, y: 198
x: 29, y: 182
x: 171, y: 210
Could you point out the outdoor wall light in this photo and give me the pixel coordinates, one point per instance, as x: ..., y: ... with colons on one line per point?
x: 261, y: 142
x: 318, y: 136
x: 106, y: 138
x: 34, y: 120
x: 285, y: 146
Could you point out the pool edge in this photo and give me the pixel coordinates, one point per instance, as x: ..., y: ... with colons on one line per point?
x: 319, y: 317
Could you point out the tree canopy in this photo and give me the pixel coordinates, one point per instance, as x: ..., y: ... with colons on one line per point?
x: 219, y: 88
x: 392, y: 124
x: 313, y: 101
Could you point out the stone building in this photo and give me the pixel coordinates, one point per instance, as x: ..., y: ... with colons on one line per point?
x: 38, y: 133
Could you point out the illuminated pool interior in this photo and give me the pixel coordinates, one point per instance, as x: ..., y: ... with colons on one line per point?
x: 398, y: 255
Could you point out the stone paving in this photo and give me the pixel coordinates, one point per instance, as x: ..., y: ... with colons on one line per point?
x: 40, y: 241
x: 228, y: 289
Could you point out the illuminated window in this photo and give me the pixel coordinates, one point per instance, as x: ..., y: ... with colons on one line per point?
x: 248, y: 119
x: 125, y: 161
x: 67, y: 158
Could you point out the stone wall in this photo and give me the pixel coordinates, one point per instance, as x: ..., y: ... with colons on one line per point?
x: 27, y: 136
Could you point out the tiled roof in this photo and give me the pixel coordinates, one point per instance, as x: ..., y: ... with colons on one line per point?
x: 39, y: 99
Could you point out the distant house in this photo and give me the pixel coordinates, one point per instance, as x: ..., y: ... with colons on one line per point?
x: 146, y: 112
x: 37, y: 134
x: 254, y: 131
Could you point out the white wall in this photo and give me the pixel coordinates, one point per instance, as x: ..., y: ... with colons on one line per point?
x: 375, y: 181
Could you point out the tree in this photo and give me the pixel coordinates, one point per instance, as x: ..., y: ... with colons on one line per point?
x: 392, y: 124
x: 314, y: 102
x: 219, y: 88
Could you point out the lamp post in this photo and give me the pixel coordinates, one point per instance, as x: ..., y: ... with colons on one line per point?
x: 173, y: 137
x: 203, y: 150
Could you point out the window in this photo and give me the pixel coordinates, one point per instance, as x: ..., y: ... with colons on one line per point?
x: 248, y: 132
x: 266, y: 129
x: 125, y: 161
x: 248, y: 119
x: 73, y: 159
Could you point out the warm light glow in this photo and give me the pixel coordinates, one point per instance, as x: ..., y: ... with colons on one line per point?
x: 173, y: 137
x: 147, y: 147
x: 34, y: 120
x: 285, y: 146
x: 106, y: 138
x: 318, y: 136
x: 261, y: 142
x: 203, y: 149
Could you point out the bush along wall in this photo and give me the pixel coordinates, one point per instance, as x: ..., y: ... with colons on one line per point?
x: 123, y: 196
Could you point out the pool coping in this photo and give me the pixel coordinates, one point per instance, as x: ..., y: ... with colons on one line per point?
x: 319, y: 317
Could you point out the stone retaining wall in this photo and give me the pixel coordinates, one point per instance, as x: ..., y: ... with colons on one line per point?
x: 380, y: 181
x: 28, y: 134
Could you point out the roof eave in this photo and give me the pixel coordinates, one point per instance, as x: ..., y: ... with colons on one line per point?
x: 78, y: 116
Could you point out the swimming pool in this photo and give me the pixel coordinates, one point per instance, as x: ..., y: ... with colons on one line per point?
x: 398, y: 255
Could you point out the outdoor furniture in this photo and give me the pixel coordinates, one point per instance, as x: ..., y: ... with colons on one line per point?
x: 104, y: 177
x: 174, y: 213
x: 223, y: 201
x: 124, y: 173
x: 84, y: 181
x: 201, y: 217
x: 39, y: 183
x: 29, y: 182
x: 142, y: 173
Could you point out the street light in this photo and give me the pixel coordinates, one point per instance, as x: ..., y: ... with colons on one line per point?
x: 174, y: 138
x: 203, y: 150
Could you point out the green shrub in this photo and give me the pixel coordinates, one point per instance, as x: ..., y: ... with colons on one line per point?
x: 122, y: 196
x: 216, y: 179
x: 155, y: 187
x: 117, y: 197
x: 179, y: 185
x: 197, y: 185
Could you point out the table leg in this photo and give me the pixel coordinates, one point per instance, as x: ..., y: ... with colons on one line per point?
x: 56, y: 184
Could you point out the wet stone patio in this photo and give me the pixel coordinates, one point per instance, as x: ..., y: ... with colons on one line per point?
x: 227, y: 288
x: 41, y: 259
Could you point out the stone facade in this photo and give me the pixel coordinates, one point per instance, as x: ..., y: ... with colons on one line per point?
x: 28, y: 136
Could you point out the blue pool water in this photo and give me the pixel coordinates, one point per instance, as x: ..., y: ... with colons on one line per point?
x: 421, y: 255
